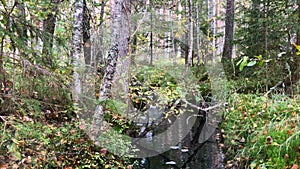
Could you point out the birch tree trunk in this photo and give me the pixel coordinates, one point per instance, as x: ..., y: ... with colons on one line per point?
x: 76, y: 48
x: 191, y: 36
x: 116, y: 69
x: 198, y: 39
x: 105, y: 93
x: 212, y: 33
x: 120, y: 34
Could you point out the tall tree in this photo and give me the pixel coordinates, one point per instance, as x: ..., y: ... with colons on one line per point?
x: 191, y: 34
x: 298, y: 32
x: 120, y: 35
x: 212, y: 28
x: 198, y: 35
x: 48, y: 31
x: 229, y: 30
x: 76, y: 47
x: 86, y: 34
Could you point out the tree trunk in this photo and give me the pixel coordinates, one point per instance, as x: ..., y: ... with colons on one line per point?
x: 297, y: 72
x: 2, y: 70
x: 211, y: 35
x: 191, y: 36
x: 86, y: 35
x: 151, y: 35
x: 298, y: 32
x: 48, y: 32
x: 120, y: 28
x: 228, y: 43
x: 103, y: 4
x: 105, y: 93
x: 229, y: 26
x: 116, y: 69
x: 76, y: 48
x: 198, y: 39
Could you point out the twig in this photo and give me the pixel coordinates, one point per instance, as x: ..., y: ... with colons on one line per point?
x: 203, y: 109
x: 273, y: 88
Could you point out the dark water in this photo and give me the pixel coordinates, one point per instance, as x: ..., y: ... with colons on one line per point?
x: 186, y: 142
x: 200, y: 156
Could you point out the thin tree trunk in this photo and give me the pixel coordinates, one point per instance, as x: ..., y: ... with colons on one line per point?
x: 151, y: 34
x: 105, y: 93
x: 229, y: 26
x: 48, y: 32
x: 99, y: 57
x: 298, y: 32
x: 86, y: 35
x: 103, y: 4
x: 198, y: 33
x: 76, y: 48
x: 297, y: 73
x: 2, y: 70
x: 191, y: 31
x: 186, y: 39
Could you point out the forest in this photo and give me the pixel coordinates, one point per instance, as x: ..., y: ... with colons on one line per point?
x: 147, y: 84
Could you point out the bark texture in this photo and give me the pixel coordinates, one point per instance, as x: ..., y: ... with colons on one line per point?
x: 105, y: 92
x: 76, y: 48
x: 86, y: 34
x: 191, y: 31
x: 229, y: 27
x: 120, y: 11
x: 48, y: 32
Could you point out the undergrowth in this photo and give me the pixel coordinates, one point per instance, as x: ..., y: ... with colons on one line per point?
x: 262, y: 132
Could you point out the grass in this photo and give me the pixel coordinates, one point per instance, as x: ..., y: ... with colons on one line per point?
x: 262, y: 132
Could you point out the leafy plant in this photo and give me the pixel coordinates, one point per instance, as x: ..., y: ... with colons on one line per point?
x: 249, y: 62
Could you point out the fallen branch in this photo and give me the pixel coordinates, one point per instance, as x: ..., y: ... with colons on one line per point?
x: 27, y: 65
x: 203, y: 109
x: 274, y: 87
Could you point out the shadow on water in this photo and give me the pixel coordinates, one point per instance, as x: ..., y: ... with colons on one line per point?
x: 189, y: 150
x: 205, y: 156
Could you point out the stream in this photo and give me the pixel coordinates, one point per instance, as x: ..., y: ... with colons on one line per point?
x: 188, y: 141
x: 205, y: 156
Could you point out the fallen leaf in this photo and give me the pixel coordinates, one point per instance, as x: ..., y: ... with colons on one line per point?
x: 15, y: 166
x: 103, y: 151
x: 295, y: 166
x: 242, y: 140
x: 3, y: 166
x: 286, y: 156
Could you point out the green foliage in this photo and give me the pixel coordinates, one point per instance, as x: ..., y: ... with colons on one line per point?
x: 153, y: 85
x: 257, y: 60
x: 262, y: 132
x: 50, y: 145
x: 264, y: 27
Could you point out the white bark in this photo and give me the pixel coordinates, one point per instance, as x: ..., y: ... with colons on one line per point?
x: 212, y: 33
x: 105, y: 93
x: 117, y: 65
x: 76, y: 48
x: 120, y: 34
x: 198, y: 39
x: 191, y: 31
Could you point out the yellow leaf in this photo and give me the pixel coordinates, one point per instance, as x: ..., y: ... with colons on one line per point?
x: 297, y: 47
